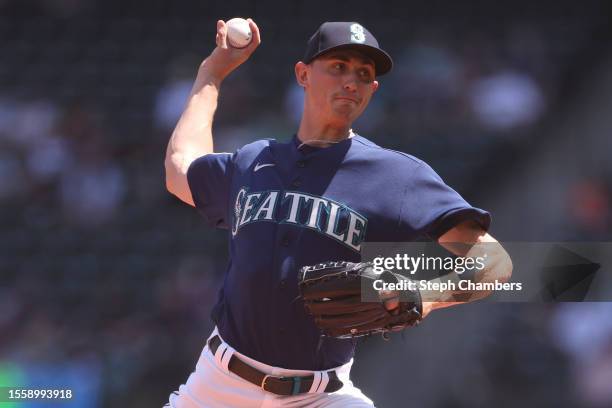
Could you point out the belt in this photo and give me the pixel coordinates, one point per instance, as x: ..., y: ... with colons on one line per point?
x: 276, y: 385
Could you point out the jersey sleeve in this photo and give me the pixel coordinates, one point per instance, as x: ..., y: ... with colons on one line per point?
x: 209, y: 179
x: 431, y: 208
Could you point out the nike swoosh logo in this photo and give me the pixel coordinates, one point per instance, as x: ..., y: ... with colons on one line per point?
x: 261, y: 166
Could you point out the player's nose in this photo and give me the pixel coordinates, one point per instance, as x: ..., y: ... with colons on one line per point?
x: 350, y: 85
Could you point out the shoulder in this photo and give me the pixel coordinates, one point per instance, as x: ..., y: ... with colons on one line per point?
x: 252, y: 152
x: 388, y: 156
x: 245, y: 154
x: 255, y: 147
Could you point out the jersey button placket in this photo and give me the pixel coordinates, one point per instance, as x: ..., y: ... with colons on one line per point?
x: 297, y: 182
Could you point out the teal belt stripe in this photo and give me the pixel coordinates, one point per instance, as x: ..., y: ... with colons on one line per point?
x: 296, y: 385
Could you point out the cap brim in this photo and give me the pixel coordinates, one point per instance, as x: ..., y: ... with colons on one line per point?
x: 382, y: 61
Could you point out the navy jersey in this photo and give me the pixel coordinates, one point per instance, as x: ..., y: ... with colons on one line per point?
x: 286, y: 205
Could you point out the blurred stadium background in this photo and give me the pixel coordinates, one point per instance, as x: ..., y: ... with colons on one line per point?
x: 106, y: 280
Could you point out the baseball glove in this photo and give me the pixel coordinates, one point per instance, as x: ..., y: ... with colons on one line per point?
x: 344, y: 304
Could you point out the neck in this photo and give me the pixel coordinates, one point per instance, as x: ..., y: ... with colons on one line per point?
x: 316, y: 130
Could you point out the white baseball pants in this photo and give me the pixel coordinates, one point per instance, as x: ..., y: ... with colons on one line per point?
x: 211, y: 385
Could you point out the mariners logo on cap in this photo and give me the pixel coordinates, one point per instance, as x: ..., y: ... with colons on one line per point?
x: 357, y: 33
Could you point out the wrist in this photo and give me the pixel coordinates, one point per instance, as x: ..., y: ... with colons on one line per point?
x: 207, y: 75
x: 429, y: 307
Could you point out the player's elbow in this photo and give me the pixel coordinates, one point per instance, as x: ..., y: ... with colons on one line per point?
x: 170, y: 184
x: 170, y: 170
x: 499, y: 263
x: 176, y: 178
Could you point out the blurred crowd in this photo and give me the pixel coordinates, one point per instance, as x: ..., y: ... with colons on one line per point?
x: 106, y: 281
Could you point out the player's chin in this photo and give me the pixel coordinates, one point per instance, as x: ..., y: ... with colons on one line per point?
x: 348, y: 110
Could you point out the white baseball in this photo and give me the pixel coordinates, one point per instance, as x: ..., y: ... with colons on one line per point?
x: 239, y: 33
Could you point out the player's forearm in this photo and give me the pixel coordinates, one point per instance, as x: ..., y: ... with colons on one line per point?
x: 192, y: 136
x: 497, y: 267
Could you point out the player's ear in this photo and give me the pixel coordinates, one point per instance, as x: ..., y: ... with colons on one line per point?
x: 301, y: 74
x: 374, y: 86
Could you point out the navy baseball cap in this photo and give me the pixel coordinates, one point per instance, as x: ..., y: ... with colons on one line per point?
x: 347, y: 35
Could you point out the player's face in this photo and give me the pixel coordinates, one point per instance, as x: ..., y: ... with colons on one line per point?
x: 339, y: 86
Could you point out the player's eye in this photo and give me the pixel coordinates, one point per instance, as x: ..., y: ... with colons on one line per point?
x: 338, y: 67
x: 365, y: 75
